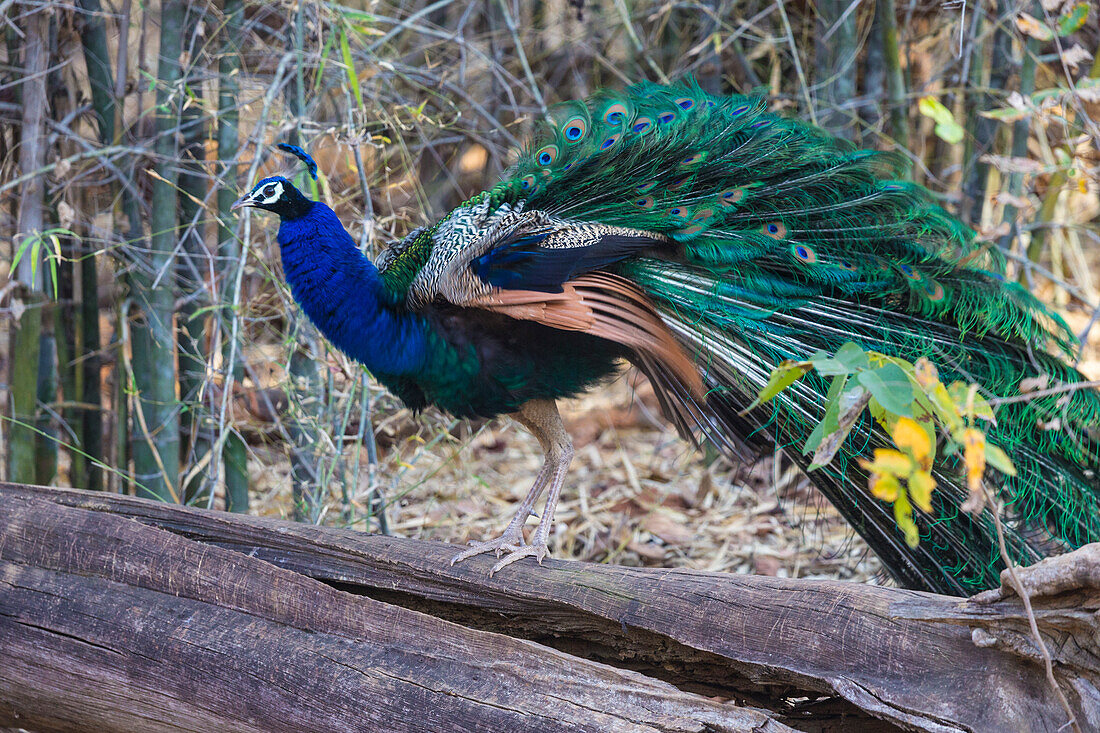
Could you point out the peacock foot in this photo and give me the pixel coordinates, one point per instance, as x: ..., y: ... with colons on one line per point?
x: 511, y: 542
x: 542, y: 419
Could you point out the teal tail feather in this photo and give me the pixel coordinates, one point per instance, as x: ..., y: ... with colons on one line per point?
x: 1051, y: 505
x: 789, y: 241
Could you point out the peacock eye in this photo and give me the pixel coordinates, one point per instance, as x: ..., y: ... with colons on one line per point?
x: 269, y: 190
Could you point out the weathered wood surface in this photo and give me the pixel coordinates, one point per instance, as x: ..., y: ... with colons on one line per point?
x: 749, y: 638
x: 107, y: 624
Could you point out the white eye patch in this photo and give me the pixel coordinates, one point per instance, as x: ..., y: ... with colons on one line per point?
x: 269, y: 194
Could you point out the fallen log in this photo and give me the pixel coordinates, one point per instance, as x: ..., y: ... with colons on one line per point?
x: 107, y: 624
x: 816, y: 654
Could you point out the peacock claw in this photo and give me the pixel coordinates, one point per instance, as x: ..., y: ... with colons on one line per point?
x: 508, y: 541
x: 516, y: 549
x: 538, y: 551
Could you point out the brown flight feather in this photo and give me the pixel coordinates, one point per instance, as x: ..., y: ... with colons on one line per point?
x: 607, y: 306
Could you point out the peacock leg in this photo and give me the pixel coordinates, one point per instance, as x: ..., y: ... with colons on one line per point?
x: 542, y: 419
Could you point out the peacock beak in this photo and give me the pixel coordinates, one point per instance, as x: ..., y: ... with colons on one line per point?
x: 242, y: 202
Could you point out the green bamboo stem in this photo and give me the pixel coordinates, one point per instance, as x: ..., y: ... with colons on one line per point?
x: 887, y: 14
x: 1021, y: 131
x: 983, y: 131
x: 305, y: 380
x: 26, y: 339
x: 91, y: 420
x: 62, y: 326
x: 191, y: 336
x: 836, y: 66
x: 24, y: 391
x: 45, y: 433
x: 157, y: 446
x: 93, y: 36
x: 234, y: 451
x: 67, y: 348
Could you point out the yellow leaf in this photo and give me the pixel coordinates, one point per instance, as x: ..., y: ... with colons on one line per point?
x: 903, y: 515
x: 910, y: 435
x: 946, y: 128
x: 925, y: 372
x: 885, y: 487
x: 891, y: 462
x: 1033, y: 27
x: 974, y: 455
x: 921, y: 485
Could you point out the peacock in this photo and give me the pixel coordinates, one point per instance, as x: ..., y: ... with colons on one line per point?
x: 706, y: 239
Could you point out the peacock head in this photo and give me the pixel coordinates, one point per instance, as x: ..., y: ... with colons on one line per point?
x: 278, y: 195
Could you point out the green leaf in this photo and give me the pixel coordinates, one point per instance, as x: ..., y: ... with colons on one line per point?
x: 997, y: 458
x: 1032, y: 26
x: 27, y: 242
x: 782, y: 376
x: 325, y: 50
x: 851, y: 404
x: 1072, y: 21
x: 349, y: 65
x: 853, y: 357
x: 831, y: 422
x: 946, y: 128
x: 878, y: 413
x: 1005, y: 114
x: 891, y: 387
x: 829, y: 367
x: 979, y: 407
x: 950, y: 132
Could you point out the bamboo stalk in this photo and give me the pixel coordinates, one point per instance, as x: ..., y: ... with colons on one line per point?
x: 45, y: 428
x: 887, y: 14
x: 836, y: 53
x: 26, y: 345
x: 191, y: 270
x: 984, y: 130
x: 68, y: 346
x: 234, y: 452
x: 62, y: 322
x: 91, y: 419
x: 305, y: 380
x: 1021, y: 131
x: 156, y: 450
x: 24, y: 391
x: 93, y: 36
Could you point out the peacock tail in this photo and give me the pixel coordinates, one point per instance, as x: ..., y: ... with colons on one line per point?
x: 708, y: 229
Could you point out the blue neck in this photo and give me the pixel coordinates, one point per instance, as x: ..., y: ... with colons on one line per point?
x: 343, y: 294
